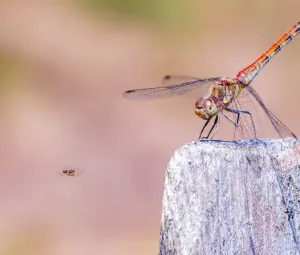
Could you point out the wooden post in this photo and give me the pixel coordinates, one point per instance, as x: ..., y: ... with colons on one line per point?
x: 232, y: 198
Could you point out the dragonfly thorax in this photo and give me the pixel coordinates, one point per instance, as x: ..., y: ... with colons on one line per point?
x: 218, y: 91
x: 206, y: 108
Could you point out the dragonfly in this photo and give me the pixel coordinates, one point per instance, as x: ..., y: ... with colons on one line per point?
x: 226, y: 95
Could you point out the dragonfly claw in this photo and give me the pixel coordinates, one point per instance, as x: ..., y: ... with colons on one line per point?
x: 204, y: 138
x: 259, y: 141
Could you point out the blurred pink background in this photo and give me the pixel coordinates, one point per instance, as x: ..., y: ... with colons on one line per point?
x: 63, y: 68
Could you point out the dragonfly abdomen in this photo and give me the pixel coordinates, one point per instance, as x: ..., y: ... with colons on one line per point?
x: 247, y: 75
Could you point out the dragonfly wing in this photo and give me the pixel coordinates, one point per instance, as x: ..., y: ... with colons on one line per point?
x: 169, y: 90
x: 280, y: 128
x: 172, y: 79
x: 245, y: 129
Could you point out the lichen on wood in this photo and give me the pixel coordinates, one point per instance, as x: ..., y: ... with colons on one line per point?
x: 232, y: 198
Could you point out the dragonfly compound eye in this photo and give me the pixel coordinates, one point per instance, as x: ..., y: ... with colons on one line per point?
x: 207, y: 104
x: 199, y: 109
x: 210, y: 107
x: 199, y: 103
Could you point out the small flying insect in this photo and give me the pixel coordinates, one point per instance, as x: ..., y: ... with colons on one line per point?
x: 71, y: 172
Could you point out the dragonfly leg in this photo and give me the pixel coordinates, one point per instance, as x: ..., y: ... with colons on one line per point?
x: 235, y: 123
x: 200, y: 136
x: 215, y: 125
x: 238, y: 112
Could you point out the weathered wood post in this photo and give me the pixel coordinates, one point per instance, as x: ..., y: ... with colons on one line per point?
x: 232, y: 198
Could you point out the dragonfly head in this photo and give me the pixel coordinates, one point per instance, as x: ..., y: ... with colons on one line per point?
x: 205, y: 108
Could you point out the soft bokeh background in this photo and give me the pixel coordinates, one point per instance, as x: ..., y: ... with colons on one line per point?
x: 63, y: 68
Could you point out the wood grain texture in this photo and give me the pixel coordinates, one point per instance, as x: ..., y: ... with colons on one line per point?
x: 232, y: 198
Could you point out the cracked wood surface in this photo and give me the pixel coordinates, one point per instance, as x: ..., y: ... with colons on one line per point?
x: 232, y: 198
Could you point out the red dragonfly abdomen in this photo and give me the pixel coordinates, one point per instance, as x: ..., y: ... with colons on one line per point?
x: 247, y: 75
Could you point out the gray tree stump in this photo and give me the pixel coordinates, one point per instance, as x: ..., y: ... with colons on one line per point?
x: 232, y: 198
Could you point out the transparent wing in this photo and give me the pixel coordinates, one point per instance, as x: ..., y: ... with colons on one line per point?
x: 245, y: 129
x: 282, y: 130
x: 172, y: 79
x: 181, y: 85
